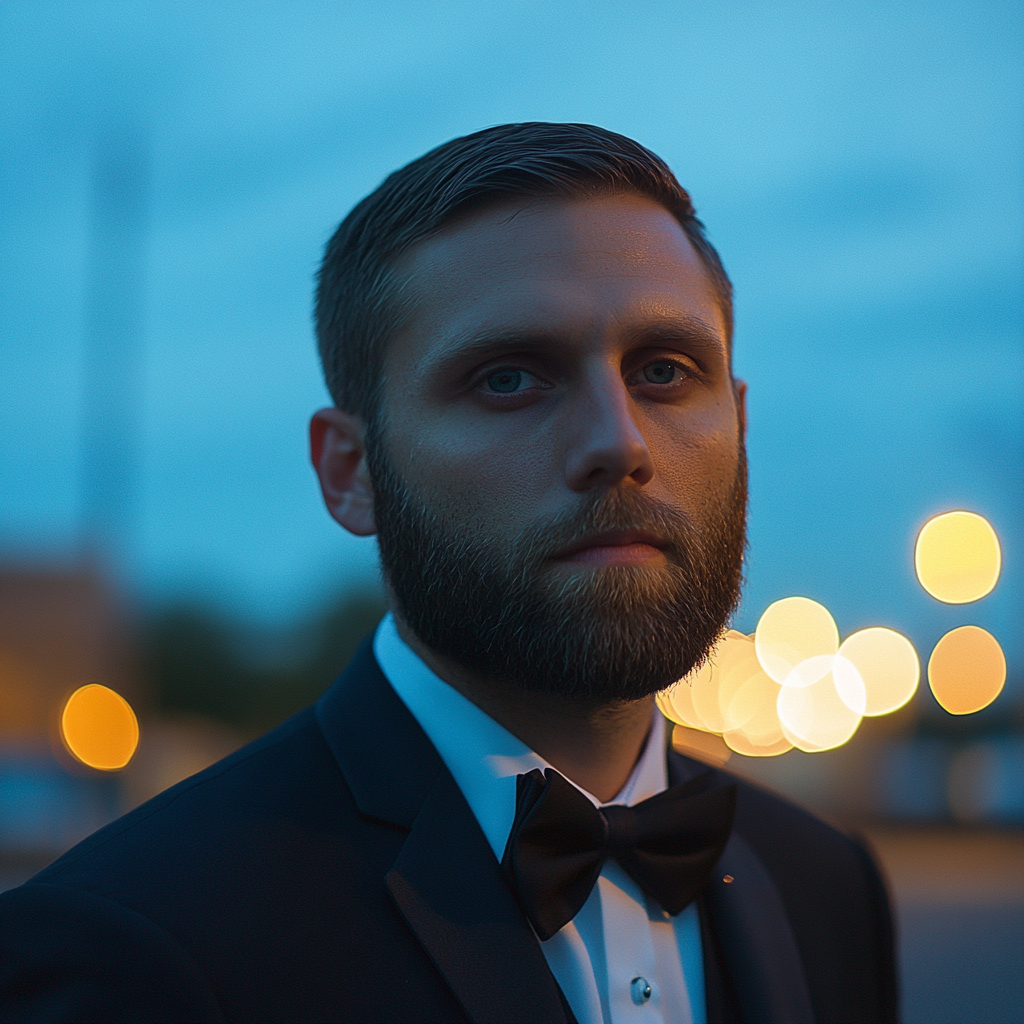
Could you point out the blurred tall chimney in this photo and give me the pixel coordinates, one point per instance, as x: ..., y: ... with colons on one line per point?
x: 113, y: 351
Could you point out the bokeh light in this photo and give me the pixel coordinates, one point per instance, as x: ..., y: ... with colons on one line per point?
x: 752, y: 711
x: 849, y: 685
x: 810, y: 670
x: 792, y: 630
x: 967, y: 670
x: 792, y: 684
x: 957, y: 557
x: 704, y: 746
x: 731, y: 697
x: 676, y: 703
x: 819, y: 717
x: 742, y: 744
x: 845, y: 678
x: 687, y: 701
x: 99, y: 727
x: 733, y: 661
x: 888, y: 665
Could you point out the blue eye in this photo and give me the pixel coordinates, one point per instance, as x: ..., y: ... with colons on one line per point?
x: 660, y: 373
x: 504, y: 382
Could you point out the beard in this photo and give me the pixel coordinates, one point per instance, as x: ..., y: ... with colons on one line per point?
x: 498, y: 606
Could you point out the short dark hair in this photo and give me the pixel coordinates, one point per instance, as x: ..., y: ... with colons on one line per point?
x: 355, y: 296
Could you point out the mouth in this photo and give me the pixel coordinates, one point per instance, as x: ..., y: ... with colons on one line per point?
x: 616, y: 547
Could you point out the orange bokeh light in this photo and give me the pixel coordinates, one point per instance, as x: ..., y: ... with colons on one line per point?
x: 702, y: 745
x: 731, y: 697
x: 967, y: 670
x: 752, y: 711
x: 676, y: 703
x: 99, y: 727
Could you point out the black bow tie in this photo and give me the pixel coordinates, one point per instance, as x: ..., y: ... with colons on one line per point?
x: 559, y: 842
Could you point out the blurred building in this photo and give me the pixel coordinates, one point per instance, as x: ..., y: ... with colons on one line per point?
x: 189, y: 675
x: 59, y: 629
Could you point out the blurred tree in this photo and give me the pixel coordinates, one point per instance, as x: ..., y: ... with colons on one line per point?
x: 193, y: 660
x: 187, y: 658
x: 331, y: 640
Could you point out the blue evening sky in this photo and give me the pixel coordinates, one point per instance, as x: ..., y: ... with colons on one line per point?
x: 859, y: 166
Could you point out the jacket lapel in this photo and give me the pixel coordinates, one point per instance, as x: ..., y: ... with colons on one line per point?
x: 446, y: 881
x: 447, y: 885
x: 753, y: 930
x: 386, y: 758
x: 757, y: 939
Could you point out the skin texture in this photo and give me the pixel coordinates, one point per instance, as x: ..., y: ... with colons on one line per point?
x: 604, y: 311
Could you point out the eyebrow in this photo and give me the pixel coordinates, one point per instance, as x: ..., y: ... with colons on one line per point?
x: 693, y: 330
x: 674, y: 329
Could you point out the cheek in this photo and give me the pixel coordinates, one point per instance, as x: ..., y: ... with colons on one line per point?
x: 493, y: 474
x: 697, y: 456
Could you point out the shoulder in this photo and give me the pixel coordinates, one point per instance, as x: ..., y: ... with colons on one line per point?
x: 232, y: 882
x: 836, y: 901
x: 810, y: 860
x: 206, y: 811
x: 103, y: 933
x: 69, y: 955
x: 787, y: 837
x: 792, y: 841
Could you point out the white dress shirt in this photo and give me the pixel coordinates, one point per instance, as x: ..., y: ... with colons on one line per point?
x: 619, y: 935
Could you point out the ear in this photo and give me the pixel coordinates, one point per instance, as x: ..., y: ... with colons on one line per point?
x: 739, y: 388
x: 339, y: 457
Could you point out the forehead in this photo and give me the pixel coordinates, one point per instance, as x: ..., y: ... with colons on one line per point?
x: 594, y: 267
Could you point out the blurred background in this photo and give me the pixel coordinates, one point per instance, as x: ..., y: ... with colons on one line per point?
x: 169, y: 174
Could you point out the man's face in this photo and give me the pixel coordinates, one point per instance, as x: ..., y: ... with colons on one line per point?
x: 560, y: 448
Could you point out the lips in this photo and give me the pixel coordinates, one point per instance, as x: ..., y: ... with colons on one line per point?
x: 629, y: 541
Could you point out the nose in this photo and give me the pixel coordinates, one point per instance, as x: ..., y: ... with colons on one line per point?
x: 607, y: 447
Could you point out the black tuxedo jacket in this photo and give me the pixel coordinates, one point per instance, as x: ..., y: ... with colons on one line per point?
x: 332, y: 871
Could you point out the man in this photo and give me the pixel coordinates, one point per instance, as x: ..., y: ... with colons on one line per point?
x: 527, y: 339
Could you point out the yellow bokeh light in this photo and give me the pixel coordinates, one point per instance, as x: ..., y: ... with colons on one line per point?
x: 729, y: 699
x: 676, y: 703
x: 849, y: 685
x: 810, y: 670
x: 702, y: 695
x: 957, y: 557
x: 99, y: 727
x: 888, y: 665
x: 845, y: 678
x: 792, y: 630
x: 695, y: 701
x: 733, y: 675
x: 753, y: 712
x: 664, y: 702
x: 967, y: 670
x: 742, y: 744
x: 733, y: 661
x: 818, y: 717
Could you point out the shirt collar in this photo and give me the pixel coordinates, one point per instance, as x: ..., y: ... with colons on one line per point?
x: 482, y: 755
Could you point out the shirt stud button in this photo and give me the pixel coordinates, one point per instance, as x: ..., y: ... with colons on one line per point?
x: 640, y: 990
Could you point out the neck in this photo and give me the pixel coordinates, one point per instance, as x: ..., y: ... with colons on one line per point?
x: 595, y: 747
